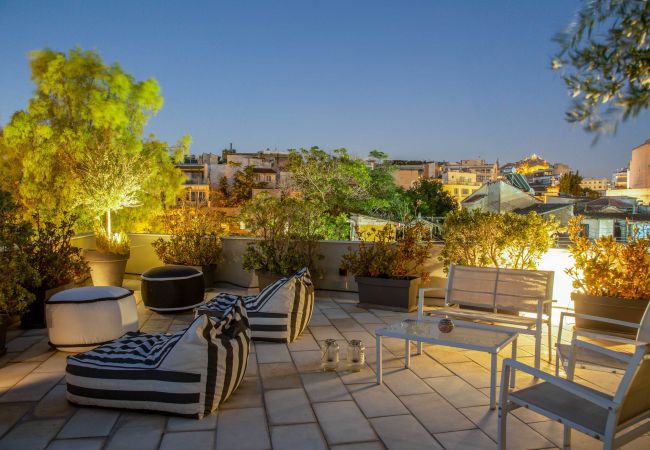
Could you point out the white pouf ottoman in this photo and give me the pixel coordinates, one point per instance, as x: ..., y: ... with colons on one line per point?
x: 82, y: 318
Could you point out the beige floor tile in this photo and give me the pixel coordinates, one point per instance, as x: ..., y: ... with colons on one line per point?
x: 188, y: 440
x: 89, y: 422
x: 279, y: 376
x: 445, y: 355
x: 272, y: 353
x: 376, y: 400
x: 457, y: 391
x: 54, y: 405
x: 305, y: 342
x: 364, y: 376
x: 37, y: 352
x: 346, y: 324
x: 436, y: 414
x: 323, y: 333
x: 520, y: 435
x: 475, y: 374
x: 405, y: 382
x: 374, y: 445
x: 307, y: 361
x: 292, y: 437
x: 32, y: 434
x: 22, y: 343
x: 182, y: 424
x: 366, y: 338
x: 12, y: 373
x: 465, y: 440
x: 77, y: 444
x: 324, y: 387
x: 55, y: 363
x: 343, y: 422
x: 243, y: 429
x: 319, y: 320
x: 403, y: 432
x: 335, y: 313
x: 366, y: 317
x: 247, y: 395
x: 288, y: 406
x: 33, y: 387
x: 141, y: 431
x: 11, y: 413
x: 251, y: 366
x: 426, y: 367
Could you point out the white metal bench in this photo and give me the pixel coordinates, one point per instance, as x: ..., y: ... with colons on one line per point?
x: 498, y: 296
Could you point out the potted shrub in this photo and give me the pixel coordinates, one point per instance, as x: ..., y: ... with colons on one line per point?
x: 388, y: 270
x: 288, y: 230
x: 16, y: 269
x: 612, y: 279
x: 108, y: 260
x: 195, y: 241
x: 57, y: 262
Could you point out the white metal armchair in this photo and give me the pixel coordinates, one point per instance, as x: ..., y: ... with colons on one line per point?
x: 589, y: 356
x: 615, y: 420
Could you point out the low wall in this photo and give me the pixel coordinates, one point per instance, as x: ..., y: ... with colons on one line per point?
x: 143, y: 258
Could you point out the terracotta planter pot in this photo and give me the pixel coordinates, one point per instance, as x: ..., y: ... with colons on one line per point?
x: 35, y: 315
x: 610, y: 307
x: 266, y: 278
x: 106, y: 269
x: 388, y: 293
x: 4, y: 325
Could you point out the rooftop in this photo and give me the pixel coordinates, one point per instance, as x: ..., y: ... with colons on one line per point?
x: 285, y: 400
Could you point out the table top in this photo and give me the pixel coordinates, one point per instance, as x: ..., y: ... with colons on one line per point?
x: 465, y: 334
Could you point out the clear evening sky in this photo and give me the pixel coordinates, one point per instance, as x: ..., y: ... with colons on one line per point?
x: 441, y: 80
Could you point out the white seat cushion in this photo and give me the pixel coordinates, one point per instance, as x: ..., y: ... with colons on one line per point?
x: 82, y: 318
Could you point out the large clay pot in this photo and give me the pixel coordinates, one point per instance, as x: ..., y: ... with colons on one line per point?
x: 265, y: 278
x: 106, y: 269
x: 611, y: 308
x: 389, y: 293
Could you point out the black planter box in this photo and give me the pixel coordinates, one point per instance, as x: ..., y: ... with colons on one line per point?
x: 389, y: 293
x: 611, y: 308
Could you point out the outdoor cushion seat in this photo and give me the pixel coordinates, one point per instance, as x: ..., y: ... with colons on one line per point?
x: 172, y: 288
x: 81, y: 318
x: 279, y: 313
x: 188, y: 373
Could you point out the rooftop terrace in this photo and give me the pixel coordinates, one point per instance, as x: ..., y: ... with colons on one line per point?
x: 285, y: 401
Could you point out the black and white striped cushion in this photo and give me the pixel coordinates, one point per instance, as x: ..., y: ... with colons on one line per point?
x: 189, y: 373
x: 277, y: 314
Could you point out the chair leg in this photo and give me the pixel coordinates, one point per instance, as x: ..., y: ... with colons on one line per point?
x: 538, y: 346
x: 550, y: 341
x: 503, y: 431
x: 566, y: 442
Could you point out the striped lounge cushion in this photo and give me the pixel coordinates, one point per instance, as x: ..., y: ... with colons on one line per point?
x: 279, y: 313
x: 189, y: 373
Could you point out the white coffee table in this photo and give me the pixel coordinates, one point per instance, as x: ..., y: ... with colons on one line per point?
x: 468, y: 335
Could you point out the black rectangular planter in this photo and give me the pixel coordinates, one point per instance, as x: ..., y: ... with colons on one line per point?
x: 610, y: 307
x: 389, y: 293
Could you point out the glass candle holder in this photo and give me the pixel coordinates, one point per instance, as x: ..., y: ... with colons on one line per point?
x: 356, y: 355
x: 329, y: 355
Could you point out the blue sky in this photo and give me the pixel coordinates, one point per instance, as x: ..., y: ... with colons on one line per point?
x: 441, y: 80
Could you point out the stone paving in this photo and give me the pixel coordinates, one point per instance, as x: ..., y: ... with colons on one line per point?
x: 285, y: 401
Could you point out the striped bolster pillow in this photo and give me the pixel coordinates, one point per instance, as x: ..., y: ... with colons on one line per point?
x: 277, y: 314
x: 189, y: 373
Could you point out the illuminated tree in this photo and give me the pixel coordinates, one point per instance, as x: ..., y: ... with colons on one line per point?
x: 604, y: 56
x: 78, y: 146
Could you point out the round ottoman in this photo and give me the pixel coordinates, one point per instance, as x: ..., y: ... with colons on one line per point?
x: 172, y: 288
x: 82, y: 318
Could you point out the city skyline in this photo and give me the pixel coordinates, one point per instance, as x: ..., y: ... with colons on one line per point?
x: 424, y: 81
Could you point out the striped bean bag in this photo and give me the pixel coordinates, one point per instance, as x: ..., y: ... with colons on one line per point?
x: 279, y: 313
x: 189, y: 373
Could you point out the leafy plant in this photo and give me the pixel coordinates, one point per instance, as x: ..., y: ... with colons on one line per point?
x: 17, y: 271
x: 289, y: 229
x: 117, y: 243
x: 484, y: 239
x: 52, y: 254
x: 379, y: 255
x: 605, y: 267
x: 195, y: 239
x: 605, y: 59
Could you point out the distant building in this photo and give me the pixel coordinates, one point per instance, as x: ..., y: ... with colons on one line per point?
x: 640, y: 166
x: 531, y: 164
x: 621, y: 179
x: 197, y: 184
x: 408, y: 173
x: 619, y: 217
x: 460, y: 184
x: 499, y: 197
x: 599, y: 185
x: 484, y: 171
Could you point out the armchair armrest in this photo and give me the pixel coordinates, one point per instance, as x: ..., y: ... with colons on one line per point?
x: 596, y: 334
x: 421, y: 292
x: 566, y: 385
x: 621, y: 356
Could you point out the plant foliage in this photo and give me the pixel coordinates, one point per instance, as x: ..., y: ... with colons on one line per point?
x: 289, y: 229
x: 484, y: 239
x: 378, y: 255
x: 604, y: 56
x: 605, y: 267
x: 195, y: 237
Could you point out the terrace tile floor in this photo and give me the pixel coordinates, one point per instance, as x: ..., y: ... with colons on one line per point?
x: 285, y: 402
